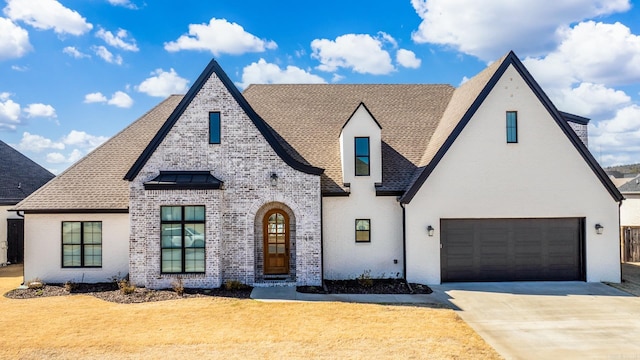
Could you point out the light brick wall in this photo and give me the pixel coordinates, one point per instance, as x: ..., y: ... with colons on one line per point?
x: 244, y: 161
x: 581, y: 131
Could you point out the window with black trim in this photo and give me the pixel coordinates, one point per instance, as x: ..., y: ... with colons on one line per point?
x: 512, y: 126
x: 214, y: 128
x: 183, y: 239
x: 81, y: 244
x: 362, y: 156
x: 363, y: 230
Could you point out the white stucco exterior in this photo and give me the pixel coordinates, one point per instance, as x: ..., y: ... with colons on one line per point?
x: 344, y: 258
x: 43, y: 248
x: 630, y: 210
x: 4, y: 215
x: 361, y: 124
x: 541, y: 176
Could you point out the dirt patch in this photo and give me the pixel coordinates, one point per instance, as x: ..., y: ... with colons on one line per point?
x: 111, y: 292
x: 370, y: 286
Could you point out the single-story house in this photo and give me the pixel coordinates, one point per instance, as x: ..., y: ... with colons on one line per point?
x: 19, y: 177
x: 293, y: 184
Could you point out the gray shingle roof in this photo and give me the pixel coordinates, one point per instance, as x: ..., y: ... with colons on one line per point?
x: 309, y: 119
x: 19, y: 175
x: 96, y: 181
x: 632, y: 186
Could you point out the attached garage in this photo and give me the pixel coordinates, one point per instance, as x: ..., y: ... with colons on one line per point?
x: 512, y: 249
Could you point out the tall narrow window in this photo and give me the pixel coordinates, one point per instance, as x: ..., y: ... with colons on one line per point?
x: 363, y: 230
x: 183, y: 240
x: 81, y: 244
x: 512, y: 126
x: 214, y: 128
x: 362, y: 156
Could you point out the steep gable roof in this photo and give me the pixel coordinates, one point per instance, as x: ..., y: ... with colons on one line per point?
x: 310, y: 118
x: 19, y: 175
x: 466, y: 104
x: 272, y: 139
x: 95, y: 183
x: 631, y: 187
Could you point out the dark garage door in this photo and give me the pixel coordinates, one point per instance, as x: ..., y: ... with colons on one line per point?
x: 512, y: 249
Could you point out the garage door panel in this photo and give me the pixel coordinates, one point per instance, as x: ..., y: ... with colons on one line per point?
x: 512, y: 249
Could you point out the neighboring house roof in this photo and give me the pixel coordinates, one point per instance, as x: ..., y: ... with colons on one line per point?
x: 310, y: 118
x: 95, y: 183
x: 619, y: 181
x: 614, y: 173
x: 631, y: 186
x: 272, y: 139
x: 19, y: 175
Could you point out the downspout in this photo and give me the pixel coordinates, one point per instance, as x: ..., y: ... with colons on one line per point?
x: 322, y: 245
x: 620, y: 238
x: 404, y: 244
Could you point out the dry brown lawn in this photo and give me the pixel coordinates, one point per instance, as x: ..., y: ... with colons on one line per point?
x: 80, y: 326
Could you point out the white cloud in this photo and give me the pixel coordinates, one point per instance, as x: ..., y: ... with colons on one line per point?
x: 487, y: 29
x: 121, y: 99
x: 55, y: 158
x: 262, y: 72
x: 408, y: 59
x: 75, y: 53
x: 591, y: 100
x: 219, y: 37
x: 96, y: 97
x: 163, y: 84
x: 40, y: 110
x: 19, y: 68
x: 58, y: 158
x: 124, y: 3
x: 106, y: 55
x: 83, y: 140
x: 336, y: 77
x: 617, y: 140
x: 120, y: 40
x: 47, y: 14
x: 14, y: 40
x: 9, y: 112
x: 360, y: 52
x: 593, y: 52
x: 37, y: 143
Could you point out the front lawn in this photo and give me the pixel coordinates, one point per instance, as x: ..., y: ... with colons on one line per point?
x: 81, y: 326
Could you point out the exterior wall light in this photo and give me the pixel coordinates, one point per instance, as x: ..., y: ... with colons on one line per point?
x: 274, y: 179
x: 430, y: 230
x: 599, y: 229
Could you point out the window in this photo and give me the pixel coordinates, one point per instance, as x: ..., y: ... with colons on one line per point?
x: 182, y: 233
x: 81, y: 244
x: 512, y: 126
x: 362, y: 156
x: 214, y: 128
x: 363, y: 230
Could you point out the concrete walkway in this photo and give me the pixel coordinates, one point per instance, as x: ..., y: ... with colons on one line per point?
x: 289, y: 293
x: 550, y: 320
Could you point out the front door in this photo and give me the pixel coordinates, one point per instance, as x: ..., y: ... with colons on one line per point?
x: 276, y: 243
x: 15, y: 240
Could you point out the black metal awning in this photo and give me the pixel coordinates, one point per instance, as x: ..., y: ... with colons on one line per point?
x: 183, y: 180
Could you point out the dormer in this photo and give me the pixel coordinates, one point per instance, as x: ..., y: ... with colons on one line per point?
x: 361, y: 147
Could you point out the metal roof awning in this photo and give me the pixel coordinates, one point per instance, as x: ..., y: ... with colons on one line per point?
x: 183, y: 180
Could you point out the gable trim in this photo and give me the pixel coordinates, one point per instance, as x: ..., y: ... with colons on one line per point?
x: 512, y: 59
x: 356, y: 110
x: 75, y: 211
x: 214, y: 68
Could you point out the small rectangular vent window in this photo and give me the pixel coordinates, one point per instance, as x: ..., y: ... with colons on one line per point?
x: 512, y: 126
x: 214, y: 128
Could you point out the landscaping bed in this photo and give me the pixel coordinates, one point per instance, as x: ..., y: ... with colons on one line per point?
x: 112, y: 292
x: 367, y: 286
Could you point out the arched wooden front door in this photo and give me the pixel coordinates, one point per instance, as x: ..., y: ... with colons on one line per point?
x: 276, y: 242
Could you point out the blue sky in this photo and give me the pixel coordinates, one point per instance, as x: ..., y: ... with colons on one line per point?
x: 75, y: 72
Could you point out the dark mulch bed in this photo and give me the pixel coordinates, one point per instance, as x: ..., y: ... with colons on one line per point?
x: 111, y: 292
x: 371, y: 286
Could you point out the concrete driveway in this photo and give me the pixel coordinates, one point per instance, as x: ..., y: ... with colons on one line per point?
x: 550, y: 320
